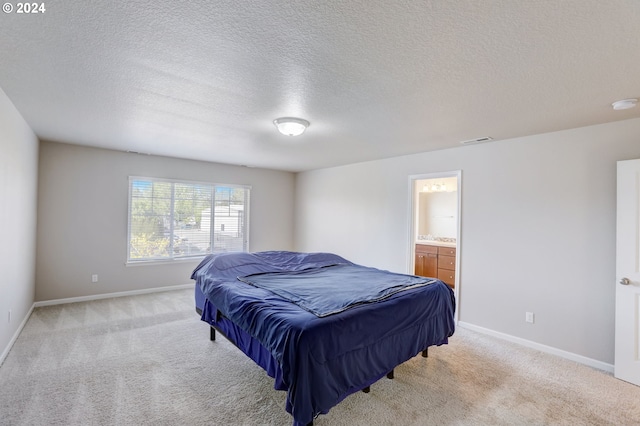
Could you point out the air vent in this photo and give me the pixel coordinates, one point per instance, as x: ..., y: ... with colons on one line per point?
x: 478, y: 140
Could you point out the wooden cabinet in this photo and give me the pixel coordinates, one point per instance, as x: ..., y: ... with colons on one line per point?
x: 426, y: 260
x: 447, y: 251
x: 436, y: 262
x: 447, y: 265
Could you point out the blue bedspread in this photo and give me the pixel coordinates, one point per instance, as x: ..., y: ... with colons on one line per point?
x: 324, y: 359
x: 322, y: 291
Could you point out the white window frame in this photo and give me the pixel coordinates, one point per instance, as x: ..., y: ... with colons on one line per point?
x: 171, y: 257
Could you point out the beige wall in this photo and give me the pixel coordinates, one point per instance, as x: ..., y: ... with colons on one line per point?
x: 537, y: 228
x: 18, y: 183
x: 82, y: 217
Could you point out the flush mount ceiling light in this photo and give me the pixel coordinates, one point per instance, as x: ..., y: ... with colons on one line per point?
x: 291, y: 126
x: 624, y: 104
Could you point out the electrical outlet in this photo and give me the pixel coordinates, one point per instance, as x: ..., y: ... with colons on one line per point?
x: 94, y: 278
x: 528, y: 317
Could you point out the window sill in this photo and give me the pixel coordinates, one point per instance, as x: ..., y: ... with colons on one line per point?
x: 164, y: 262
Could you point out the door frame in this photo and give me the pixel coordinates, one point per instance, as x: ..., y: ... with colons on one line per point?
x: 412, y: 227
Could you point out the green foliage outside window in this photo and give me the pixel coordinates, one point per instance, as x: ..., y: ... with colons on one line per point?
x: 166, y: 219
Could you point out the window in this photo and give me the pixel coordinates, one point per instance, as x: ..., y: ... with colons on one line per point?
x: 172, y: 219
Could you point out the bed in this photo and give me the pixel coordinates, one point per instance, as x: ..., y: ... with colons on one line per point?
x: 320, y: 325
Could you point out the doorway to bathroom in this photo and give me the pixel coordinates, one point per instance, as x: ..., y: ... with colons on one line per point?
x: 434, y: 234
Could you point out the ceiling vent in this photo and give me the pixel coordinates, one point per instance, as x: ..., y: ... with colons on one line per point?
x: 478, y: 140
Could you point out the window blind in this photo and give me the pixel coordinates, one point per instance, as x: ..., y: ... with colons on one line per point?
x: 171, y: 219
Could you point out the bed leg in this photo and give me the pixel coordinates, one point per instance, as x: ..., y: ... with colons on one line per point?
x: 212, y: 334
x: 425, y: 353
x: 390, y: 375
x: 367, y: 389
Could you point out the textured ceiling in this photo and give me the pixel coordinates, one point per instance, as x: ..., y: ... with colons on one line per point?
x: 204, y: 80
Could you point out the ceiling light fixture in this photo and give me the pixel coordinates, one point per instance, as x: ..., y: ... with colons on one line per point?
x: 291, y: 126
x: 624, y: 104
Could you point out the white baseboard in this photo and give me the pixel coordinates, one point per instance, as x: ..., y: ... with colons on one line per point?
x: 542, y: 348
x: 16, y: 335
x: 110, y: 295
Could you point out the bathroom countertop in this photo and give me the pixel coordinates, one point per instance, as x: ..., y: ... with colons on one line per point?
x: 436, y: 243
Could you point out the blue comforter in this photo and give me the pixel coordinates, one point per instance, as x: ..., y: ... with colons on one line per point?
x: 324, y: 359
x: 322, y: 291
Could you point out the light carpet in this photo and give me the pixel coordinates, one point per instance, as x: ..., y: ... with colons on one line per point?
x: 147, y: 360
